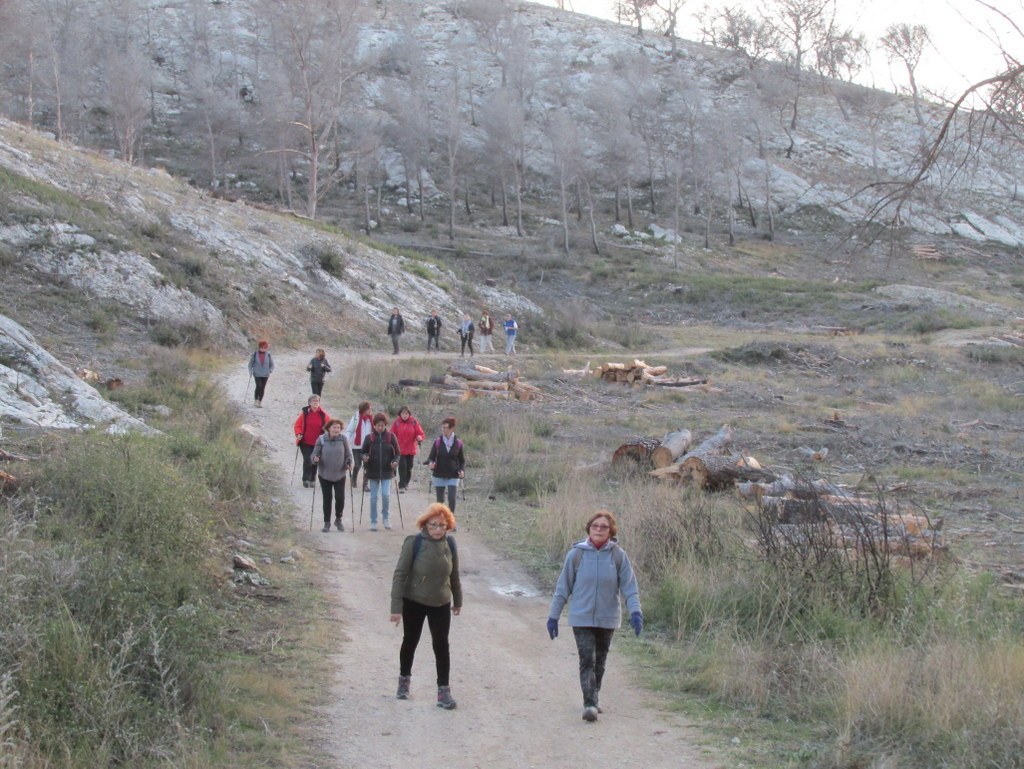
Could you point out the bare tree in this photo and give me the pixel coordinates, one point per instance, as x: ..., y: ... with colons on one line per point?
x: 734, y: 28
x: 634, y: 12
x: 563, y: 134
x: 905, y: 43
x: 315, y: 45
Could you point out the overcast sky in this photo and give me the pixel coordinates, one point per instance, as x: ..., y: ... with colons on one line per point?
x: 965, y: 33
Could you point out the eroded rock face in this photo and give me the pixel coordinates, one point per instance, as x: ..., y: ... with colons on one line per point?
x: 37, y: 389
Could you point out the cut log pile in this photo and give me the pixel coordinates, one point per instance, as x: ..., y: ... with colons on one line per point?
x: 830, y: 514
x: 639, y: 373
x: 463, y: 381
x: 711, y: 465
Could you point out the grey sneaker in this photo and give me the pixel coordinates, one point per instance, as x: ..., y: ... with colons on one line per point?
x: 373, y: 527
x: 387, y: 524
x: 403, y: 687
x: 339, y: 525
x: 590, y: 713
x: 327, y: 527
x: 444, y: 698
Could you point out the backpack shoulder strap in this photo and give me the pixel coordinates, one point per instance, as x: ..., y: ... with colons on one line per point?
x: 417, y: 545
x: 452, y: 546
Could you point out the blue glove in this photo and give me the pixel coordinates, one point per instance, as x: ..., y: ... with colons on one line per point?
x: 636, y: 619
x: 553, y: 628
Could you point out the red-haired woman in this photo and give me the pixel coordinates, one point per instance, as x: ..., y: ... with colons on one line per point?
x: 426, y: 587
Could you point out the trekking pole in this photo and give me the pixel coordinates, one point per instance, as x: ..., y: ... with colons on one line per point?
x: 246, y: 393
x: 399, y: 498
x: 296, y: 462
x: 362, y: 496
x: 312, y: 504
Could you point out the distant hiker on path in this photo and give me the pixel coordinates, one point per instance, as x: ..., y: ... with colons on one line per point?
x: 332, y: 456
x: 434, y: 331
x: 261, y: 366
x: 410, y: 435
x: 380, y: 456
x: 396, y: 327
x: 595, y: 572
x: 511, y: 329
x: 359, y: 426
x: 310, y: 423
x: 426, y: 586
x: 318, y: 368
x: 486, y: 329
x: 466, y: 335
x: 447, y: 463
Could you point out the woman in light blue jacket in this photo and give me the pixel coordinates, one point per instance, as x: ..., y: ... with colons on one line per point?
x: 261, y: 366
x: 596, y: 571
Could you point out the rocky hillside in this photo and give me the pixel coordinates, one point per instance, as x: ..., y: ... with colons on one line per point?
x: 101, y: 260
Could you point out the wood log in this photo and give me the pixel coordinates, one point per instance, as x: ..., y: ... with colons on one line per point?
x: 7, y: 456
x: 673, y: 446
x: 714, y: 472
x: 487, y: 385
x: 656, y: 370
x: 454, y: 383
x: 637, y: 451
x: 667, y: 382
x: 466, y: 371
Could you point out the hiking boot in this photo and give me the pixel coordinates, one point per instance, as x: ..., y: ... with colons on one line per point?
x: 444, y: 698
x: 403, y: 687
x: 590, y: 713
x: 326, y: 528
x: 339, y: 525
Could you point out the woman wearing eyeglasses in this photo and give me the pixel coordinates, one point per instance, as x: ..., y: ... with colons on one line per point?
x: 426, y: 587
x: 595, y: 572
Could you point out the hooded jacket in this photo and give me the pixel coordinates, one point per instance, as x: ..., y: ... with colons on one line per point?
x: 595, y: 586
x: 409, y: 433
x: 380, y: 450
x: 430, y: 578
x: 258, y: 369
x: 333, y: 457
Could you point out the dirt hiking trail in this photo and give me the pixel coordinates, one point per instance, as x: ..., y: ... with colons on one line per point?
x: 519, y: 703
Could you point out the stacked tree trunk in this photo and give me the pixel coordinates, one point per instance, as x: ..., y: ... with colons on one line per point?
x: 465, y: 380
x: 639, y: 373
x: 825, y: 512
x: 711, y: 465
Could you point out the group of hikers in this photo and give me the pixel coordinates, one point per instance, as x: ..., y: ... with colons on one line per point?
x: 596, y: 574
x: 467, y: 330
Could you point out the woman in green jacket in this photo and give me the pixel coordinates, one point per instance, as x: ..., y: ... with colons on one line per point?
x: 426, y: 586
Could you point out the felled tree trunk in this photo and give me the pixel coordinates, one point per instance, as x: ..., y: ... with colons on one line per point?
x: 637, y: 451
x: 714, y: 472
x: 472, y: 373
x: 673, y: 446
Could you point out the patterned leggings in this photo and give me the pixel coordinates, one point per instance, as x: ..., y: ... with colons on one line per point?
x: 592, y: 644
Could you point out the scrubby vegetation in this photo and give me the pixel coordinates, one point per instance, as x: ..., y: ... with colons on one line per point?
x: 114, y: 644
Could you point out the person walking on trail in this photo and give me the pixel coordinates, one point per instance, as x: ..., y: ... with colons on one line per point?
x: 447, y: 463
x: 434, y: 331
x: 410, y: 435
x: 380, y: 456
x: 359, y: 426
x: 486, y: 329
x: 595, y: 572
x: 318, y: 368
x: 311, y: 422
x: 426, y: 586
x: 396, y: 327
x: 511, y: 329
x: 261, y: 366
x: 332, y: 456
x: 466, y: 335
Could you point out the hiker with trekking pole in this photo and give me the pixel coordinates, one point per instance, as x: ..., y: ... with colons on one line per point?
x: 380, y: 458
x: 261, y: 366
x: 426, y: 586
x: 310, y: 423
x: 332, y: 456
x: 318, y: 369
x: 595, y: 573
x: 447, y: 462
x: 359, y: 426
x: 410, y: 435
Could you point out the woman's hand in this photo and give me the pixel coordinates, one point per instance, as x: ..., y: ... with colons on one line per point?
x: 462, y: 473
x: 396, y: 618
x: 456, y: 610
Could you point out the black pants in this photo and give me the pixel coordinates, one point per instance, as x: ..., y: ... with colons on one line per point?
x: 357, y: 456
x: 439, y: 620
x: 466, y: 340
x: 308, y: 468
x: 261, y: 386
x: 592, y: 644
x: 394, y: 342
x: 315, y: 387
x: 436, y: 338
x: 334, y: 489
x: 405, y: 463
x: 453, y: 492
